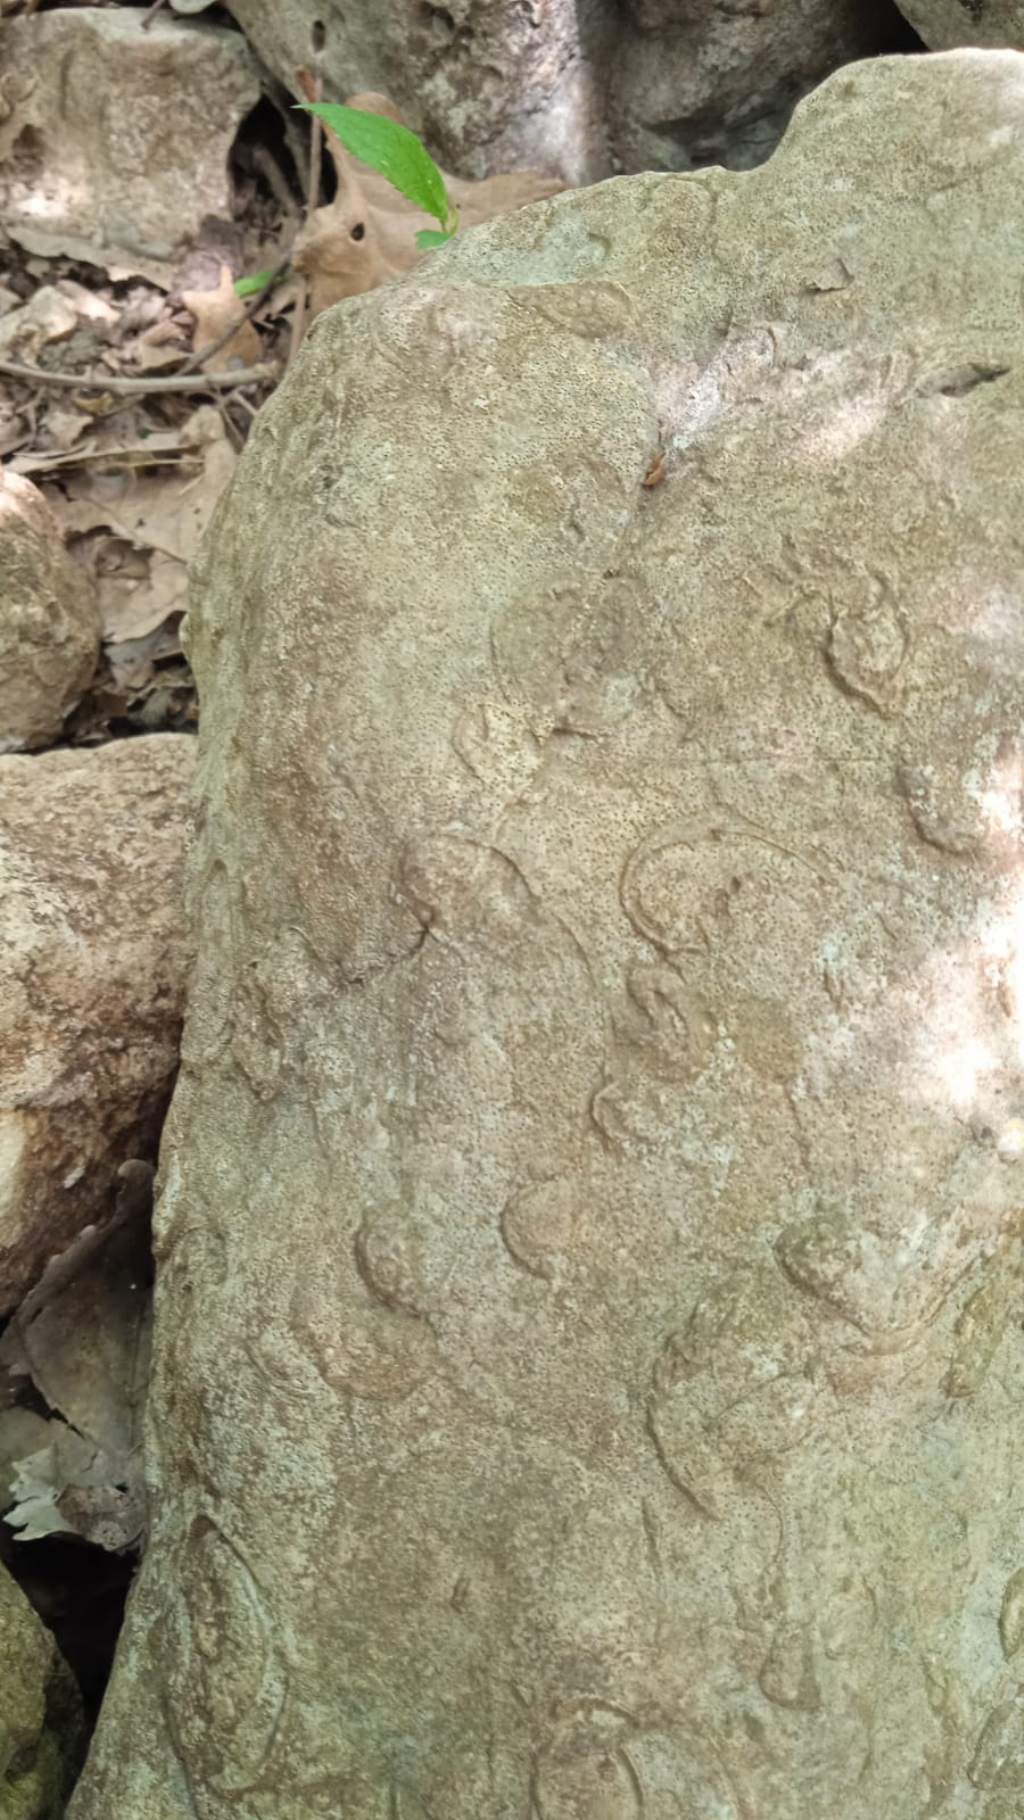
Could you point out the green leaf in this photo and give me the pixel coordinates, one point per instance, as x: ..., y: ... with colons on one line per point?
x: 390, y: 149
x: 257, y: 281
x: 429, y: 237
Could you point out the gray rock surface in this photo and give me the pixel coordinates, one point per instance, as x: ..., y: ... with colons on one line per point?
x: 588, y: 1338
x: 92, y: 980
x: 690, y: 85
x: 49, y: 621
x: 577, y: 88
x: 114, y: 140
x: 946, y: 24
x: 40, y: 1714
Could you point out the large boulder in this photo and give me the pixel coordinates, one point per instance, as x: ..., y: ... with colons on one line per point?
x: 49, y: 621
x: 587, y: 1333
x: 92, y: 980
x: 40, y: 1714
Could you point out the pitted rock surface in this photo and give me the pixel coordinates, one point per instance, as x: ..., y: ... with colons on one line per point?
x: 588, y: 1326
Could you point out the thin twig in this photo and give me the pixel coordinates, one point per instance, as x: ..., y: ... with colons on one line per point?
x: 176, y: 382
x: 257, y: 302
x: 264, y: 161
x: 246, y: 404
x: 230, y: 428
x: 316, y: 86
x: 150, y: 14
x: 117, y: 460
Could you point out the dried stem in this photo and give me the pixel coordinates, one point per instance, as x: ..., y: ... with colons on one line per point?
x: 313, y: 87
x: 175, y: 382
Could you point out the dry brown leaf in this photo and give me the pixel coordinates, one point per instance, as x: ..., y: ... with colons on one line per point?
x: 133, y: 664
x: 14, y: 427
x: 72, y: 1487
x: 47, y: 316
x: 148, y: 357
x: 63, y: 425
x: 133, y: 1206
x: 169, y: 328
x: 161, y: 515
x: 368, y: 233
x: 53, y: 313
x: 22, y: 1432
x: 87, y: 1348
x: 90, y: 307
x: 143, y: 309
x: 116, y: 556
x: 151, y: 603
x: 161, y: 344
x: 82, y: 1338
x: 132, y: 603
x: 116, y: 565
x: 214, y: 312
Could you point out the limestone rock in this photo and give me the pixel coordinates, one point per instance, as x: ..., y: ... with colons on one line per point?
x: 945, y: 24
x: 49, y: 621
x: 92, y: 964
x: 40, y: 1714
x: 588, y: 1293
x: 114, y: 140
x: 577, y: 88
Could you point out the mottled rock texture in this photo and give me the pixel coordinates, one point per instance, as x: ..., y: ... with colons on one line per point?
x: 114, y: 139
x: 49, y: 621
x: 945, y: 24
x: 588, y: 1322
x: 40, y: 1714
x: 92, y: 980
x: 578, y: 88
